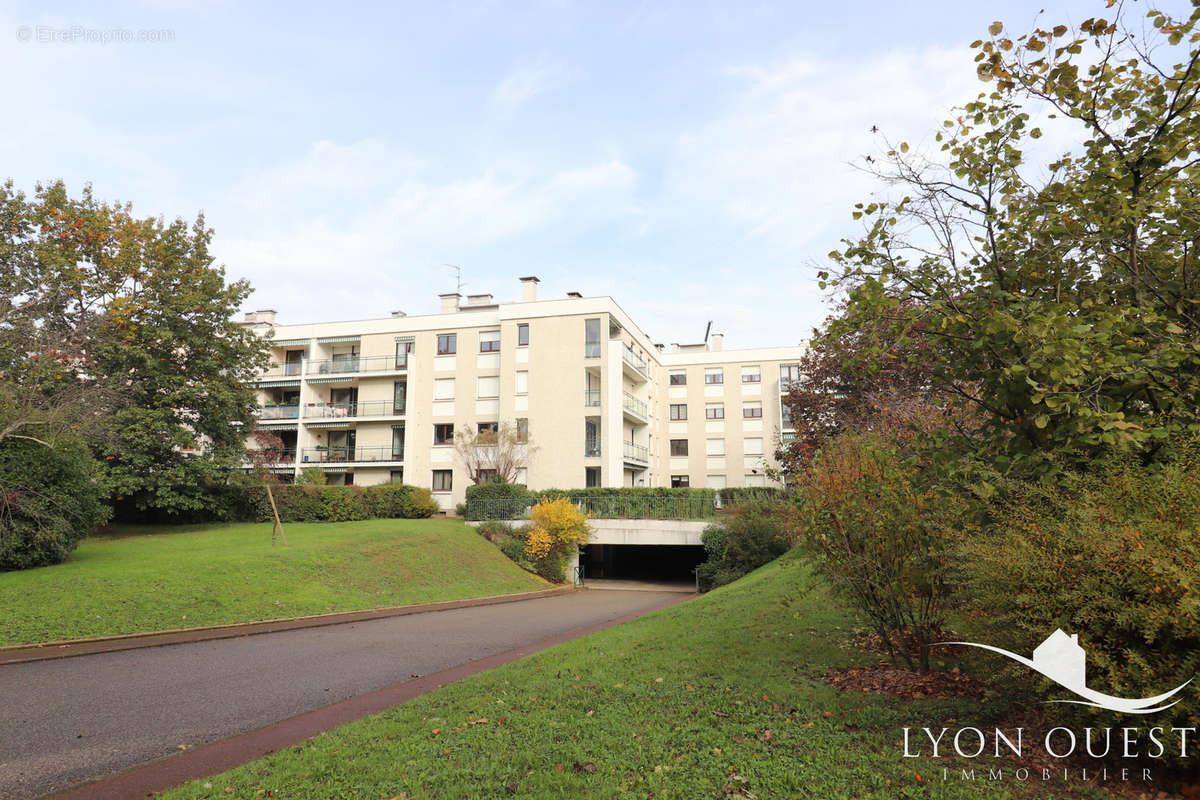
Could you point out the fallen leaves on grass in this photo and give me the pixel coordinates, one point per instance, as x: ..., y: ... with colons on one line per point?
x: 905, y: 683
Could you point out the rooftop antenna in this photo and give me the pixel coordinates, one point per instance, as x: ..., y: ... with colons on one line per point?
x: 458, y: 276
x: 707, y: 328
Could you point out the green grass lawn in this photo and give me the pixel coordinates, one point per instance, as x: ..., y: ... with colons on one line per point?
x: 155, y: 578
x: 720, y: 697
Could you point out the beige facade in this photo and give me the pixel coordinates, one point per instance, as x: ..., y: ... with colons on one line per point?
x: 369, y: 401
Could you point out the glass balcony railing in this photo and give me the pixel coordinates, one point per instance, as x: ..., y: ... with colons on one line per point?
x: 279, y: 412
x: 277, y: 371
x: 634, y: 360
x: 638, y: 407
x: 351, y: 455
x: 361, y: 408
x: 350, y: 365
x: 273, y: 455
x: 637, y: 452
x: 591, y: 449
x: 591, y: 398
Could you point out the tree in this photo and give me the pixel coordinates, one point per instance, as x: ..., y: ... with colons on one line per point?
x: 558, y: 527
x: 132, y: 308
x: 264, y: 453
x: 1062, y: 307
x: 493, y: 455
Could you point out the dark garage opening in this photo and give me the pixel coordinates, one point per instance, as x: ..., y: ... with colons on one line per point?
x: 643, y: 562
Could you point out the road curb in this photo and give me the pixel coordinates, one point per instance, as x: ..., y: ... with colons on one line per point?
x: 225, y: 754
x: 70, y: 648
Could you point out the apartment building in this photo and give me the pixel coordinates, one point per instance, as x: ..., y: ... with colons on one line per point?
x: 379, y: 400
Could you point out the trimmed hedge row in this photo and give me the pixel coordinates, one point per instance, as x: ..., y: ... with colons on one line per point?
x: 249, y: 503
x: 513, y: 500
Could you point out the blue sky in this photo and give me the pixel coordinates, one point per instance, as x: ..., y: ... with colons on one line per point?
x: 689, y: 159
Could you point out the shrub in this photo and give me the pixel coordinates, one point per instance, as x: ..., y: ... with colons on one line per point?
x: 514, y: 548
x: 881, y: 529
x: 311, y: 476
x: 640, y: 502
x: 50, y: 498
x: 1112, y: 557
x: 736, y: 495
x: 460, y: 510
x: 558, y: 528
x: 495, y: 531
x: 752, y: 535
x: 497, y: 500
x: 343, y: 503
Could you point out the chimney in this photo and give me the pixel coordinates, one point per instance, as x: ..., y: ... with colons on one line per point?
x: 529, y: 288
x: 574, y: 295
x: 399, y: 314
x: 450, y: 302
x: 263, y: 316
x: 479, y: 299
x: 718, y: 341
x: 674, y: 347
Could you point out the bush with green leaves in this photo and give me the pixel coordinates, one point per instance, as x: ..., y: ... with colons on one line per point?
x: 494, y: 530
x: 1112, y: 556
x: 752, y: 534
x: 312, y: 476
x: 497, y: 500
x: 881, y: 527
x: 50, y: 498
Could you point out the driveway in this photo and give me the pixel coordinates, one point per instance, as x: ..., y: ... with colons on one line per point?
x: 69, y: 721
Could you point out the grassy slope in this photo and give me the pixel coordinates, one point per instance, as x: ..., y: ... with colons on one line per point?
x: 673, y: 705
x: 142, y: 579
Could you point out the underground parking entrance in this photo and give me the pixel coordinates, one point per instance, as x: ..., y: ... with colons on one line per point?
x: 649, y: 563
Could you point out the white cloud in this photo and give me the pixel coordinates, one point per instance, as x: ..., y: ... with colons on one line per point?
x: 524, y: 83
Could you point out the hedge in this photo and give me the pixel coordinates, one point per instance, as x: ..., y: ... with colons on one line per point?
x: 513, y: 500
x: 240, y: 502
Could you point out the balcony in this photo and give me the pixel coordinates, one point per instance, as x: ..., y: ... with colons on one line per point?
x: 591, y: 398
x: 344, y: 410
x: 635, y: 365
x: 635, y: 409
x: 636, y: 453
x: 591, y: 449
x: 351, y: 455
x: 268, y: 413
x: 356, y: 365
x: 289, y: 372
x: 271, y: 457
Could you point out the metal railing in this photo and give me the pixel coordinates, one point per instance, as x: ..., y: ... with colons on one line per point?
x: 273, y: 455
x: 359, y: 408
x: 637, y: 452
x: 279, y: 412
x: 356, y: 364
x: 591, y: 398
x: 275, y: 371
x: 600, y: 507
x: 591, y: 449
x: 636, y: 406
x: 366, y: 454
x: 634, y: 360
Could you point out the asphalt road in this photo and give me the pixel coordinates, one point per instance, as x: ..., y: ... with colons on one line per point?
x: 68, y: 721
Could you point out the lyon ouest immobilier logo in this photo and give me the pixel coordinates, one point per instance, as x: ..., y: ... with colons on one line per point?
x: 1061, y: 659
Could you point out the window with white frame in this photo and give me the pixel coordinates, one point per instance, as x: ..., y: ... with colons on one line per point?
x: 789, y: 373
x: 715, y: 447
x: 714, y: 411
x: 489, y: 386
x: 443, y: 389
x: 522, y: 386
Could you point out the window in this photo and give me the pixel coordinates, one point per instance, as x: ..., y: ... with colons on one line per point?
x: 789, y: 372
x: 488, y: 475
x: 443, y: 480
x: 591, y: 338
x: 443, y: 433
x: 489, y: 342
x: 753, y: 447
x: 396, y: 476
x: 714, y: 376
x: 522, y: 429
x: 752, y: 411
x: 678, y: 378
x: 522, y: 386
x: 715, y: 447
x: 716, y: 481
x: 591, y: 477
x: 751, y: 375
x: 679, y: 447
x: 447, y: 344
x: 397, y: 442
x: 680, y: 482
x: 489, y: 386
x: 523, y: 335
x: 678, y: 411
x: 443, y: 389
x: 489, y: 427
x: 399, y: 397
x: 522, y: 476
x: 403, y: 348
x: 591, y: 437
x: 714, y: 412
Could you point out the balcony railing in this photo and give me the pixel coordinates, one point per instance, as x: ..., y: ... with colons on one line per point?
x: 591, y: 450
x: 277, y: 371
x: 636, y: 406
x: 591, y: 398
x: 356, y: 364
x: 351, y: 455
x: 279, y: 412
x: 361, y: 408
x: 272, y: 455
x: 634, y: 360
x: 637, y: 452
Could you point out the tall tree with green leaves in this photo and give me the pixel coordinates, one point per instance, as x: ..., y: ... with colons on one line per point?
x: 1059, y: 298
x: 134, y: 309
